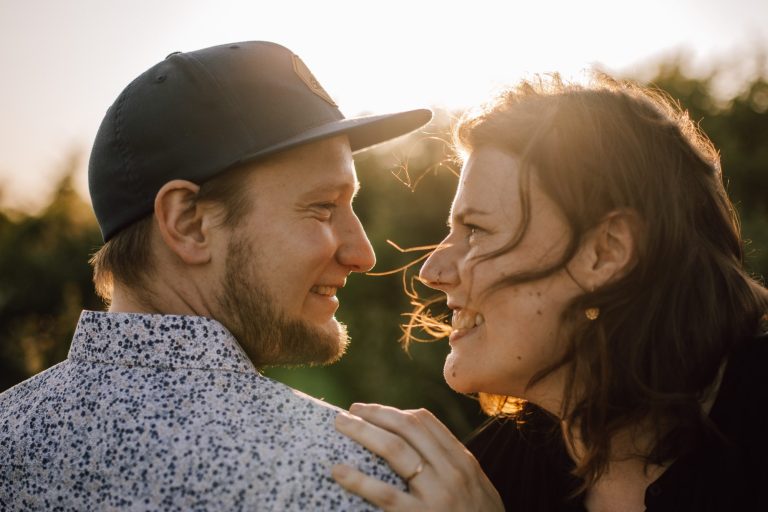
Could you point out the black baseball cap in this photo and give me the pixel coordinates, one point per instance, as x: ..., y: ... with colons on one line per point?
x: 197, y: 114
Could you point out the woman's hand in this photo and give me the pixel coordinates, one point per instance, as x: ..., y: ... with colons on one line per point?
x: 440, y: 472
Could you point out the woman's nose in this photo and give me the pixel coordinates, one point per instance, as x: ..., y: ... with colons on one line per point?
x: 439, y: 271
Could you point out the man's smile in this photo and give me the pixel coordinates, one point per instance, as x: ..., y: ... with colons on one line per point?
x: 326, y: 290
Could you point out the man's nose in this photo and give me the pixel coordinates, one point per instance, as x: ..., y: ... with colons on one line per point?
x: 355, y: 250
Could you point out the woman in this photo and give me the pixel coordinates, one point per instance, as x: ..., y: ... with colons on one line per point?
x: 594, y: 270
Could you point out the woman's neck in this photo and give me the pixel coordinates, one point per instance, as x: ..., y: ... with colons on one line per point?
x: 621, y: 488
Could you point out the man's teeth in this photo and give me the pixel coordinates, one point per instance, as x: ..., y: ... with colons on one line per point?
x: 466, y: 319
x: 328, y: 291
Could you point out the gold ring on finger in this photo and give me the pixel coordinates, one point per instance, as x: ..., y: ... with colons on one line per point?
x: 419, y: 469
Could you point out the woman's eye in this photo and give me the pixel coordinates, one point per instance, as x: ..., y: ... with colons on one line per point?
x: 473, y: 231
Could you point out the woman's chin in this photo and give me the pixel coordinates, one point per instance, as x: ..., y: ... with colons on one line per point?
x: 457, y: 380
x: 460, y: 387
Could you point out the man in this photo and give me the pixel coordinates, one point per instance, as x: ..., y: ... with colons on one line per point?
x: 222, y: 180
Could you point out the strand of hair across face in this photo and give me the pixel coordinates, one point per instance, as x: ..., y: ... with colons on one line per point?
x: 420, y: 318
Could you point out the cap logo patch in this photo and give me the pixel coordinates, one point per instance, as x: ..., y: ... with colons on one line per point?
x: 308, y: 78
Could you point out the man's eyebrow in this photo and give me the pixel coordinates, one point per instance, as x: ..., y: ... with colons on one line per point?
x: 463, y: 214
x: 326, y: 188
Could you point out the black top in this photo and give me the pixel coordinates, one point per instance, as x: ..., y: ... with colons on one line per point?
x: 530, y: 467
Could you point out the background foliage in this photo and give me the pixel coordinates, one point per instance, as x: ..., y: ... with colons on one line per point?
x: 45, y: 280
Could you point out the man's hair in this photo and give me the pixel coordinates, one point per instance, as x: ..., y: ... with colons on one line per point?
x: 666, y: 326
x: 127, y: 257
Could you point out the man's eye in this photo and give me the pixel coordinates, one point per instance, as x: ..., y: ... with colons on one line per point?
x: 324, y: 210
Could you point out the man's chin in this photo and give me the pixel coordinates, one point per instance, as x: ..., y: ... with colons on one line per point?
x: 303, y: 343
x: 269, y: 336
x: 331, y: 340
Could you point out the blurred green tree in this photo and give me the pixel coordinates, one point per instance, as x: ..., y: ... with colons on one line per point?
x: 739, y: 129
x: 45, y: 280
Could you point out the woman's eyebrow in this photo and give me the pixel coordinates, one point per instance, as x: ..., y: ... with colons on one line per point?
x: 460, y: 216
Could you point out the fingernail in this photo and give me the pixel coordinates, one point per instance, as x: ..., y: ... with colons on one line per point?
x: 342, y: 419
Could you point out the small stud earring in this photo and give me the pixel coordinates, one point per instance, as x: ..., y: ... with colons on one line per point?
x: 592, y: 313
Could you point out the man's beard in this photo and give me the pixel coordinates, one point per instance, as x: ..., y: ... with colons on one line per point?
x: 265, y: 334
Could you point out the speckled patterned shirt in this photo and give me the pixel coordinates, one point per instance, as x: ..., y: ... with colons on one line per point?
x: 161, y: 412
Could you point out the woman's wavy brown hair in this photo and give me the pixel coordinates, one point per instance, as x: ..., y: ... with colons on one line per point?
x: 666, y: 327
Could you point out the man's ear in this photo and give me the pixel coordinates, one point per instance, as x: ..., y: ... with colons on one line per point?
x: 184, y: 224
x: 608, y: 251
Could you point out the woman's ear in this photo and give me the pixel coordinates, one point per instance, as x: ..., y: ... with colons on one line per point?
x: 608, y: 251
x: 183, y: 222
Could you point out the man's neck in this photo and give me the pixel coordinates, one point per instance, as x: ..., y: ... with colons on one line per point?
x: 126, y: 301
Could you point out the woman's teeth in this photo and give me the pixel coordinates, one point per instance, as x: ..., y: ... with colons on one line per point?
x: 328, y: 291
x: 463, y: 319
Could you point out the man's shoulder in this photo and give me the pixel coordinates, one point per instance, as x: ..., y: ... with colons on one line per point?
x: 22, y: 394
x: 300, y: 409
x: 306, y: 446
x: 285, y: 442
x: 225, y: 434
x: 304, y: 426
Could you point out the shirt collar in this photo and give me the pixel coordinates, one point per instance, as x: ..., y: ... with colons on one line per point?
x: 170, y: 341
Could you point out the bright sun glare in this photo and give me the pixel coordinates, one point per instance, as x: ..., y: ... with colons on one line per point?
x: 70, y: 60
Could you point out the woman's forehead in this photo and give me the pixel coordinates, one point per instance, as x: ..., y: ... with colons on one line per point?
x: 488, y: 174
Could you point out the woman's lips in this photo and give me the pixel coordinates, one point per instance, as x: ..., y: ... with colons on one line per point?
x: 464, y: 321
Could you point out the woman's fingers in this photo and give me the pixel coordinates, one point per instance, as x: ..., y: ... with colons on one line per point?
x: 455, y: 448
x: 377, y: 492
x: 439, y: 431
x: 400, y: 455
x: 441, y: 473
x: 437, y: 446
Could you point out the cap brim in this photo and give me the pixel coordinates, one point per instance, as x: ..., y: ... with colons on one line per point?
x: 363, y: 132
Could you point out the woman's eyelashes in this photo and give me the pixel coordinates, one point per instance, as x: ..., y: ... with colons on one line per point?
x: 473, y: 232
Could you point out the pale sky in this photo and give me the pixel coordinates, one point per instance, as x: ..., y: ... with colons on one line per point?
x: 63, y: 62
